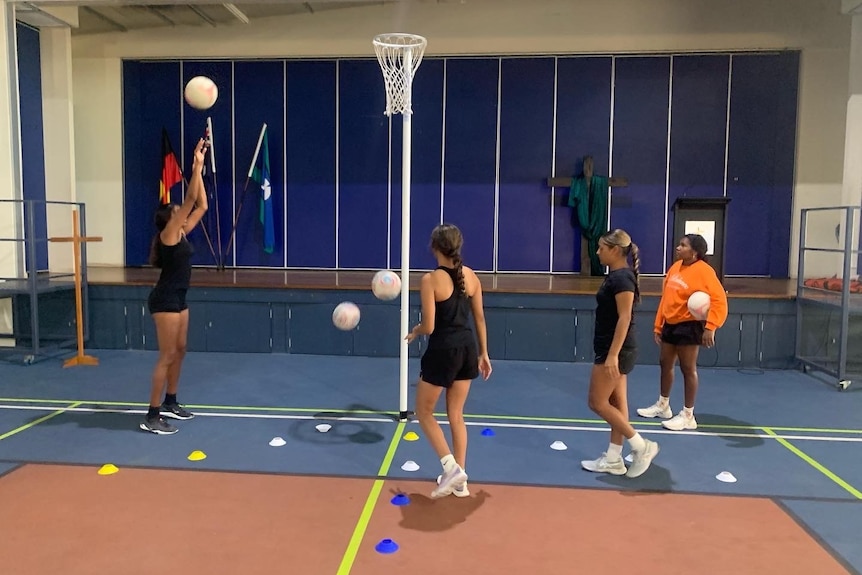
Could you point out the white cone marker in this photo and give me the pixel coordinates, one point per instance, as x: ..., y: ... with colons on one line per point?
x: 726, y: 477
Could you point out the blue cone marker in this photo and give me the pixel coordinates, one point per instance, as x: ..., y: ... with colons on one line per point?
x: 488, y: 432
x: 400, y: 499
x: 386, y: 546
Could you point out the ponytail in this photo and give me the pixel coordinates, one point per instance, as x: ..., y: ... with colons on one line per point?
x: 636, y: 268
x: 459, y: 272
x: 155, y: 258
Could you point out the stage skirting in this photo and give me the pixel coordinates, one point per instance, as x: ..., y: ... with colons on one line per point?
x: 531, y: 317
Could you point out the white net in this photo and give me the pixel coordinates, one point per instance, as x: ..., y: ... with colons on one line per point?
x: 399, y: 56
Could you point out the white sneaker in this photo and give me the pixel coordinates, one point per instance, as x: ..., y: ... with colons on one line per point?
x: 680, y: 422
x: 451, y: 479
x: 602, y: 465
x: 643, y: 458
x: 462, y: 491
x: 656, y: 410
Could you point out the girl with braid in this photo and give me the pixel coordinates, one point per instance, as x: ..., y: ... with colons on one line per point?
x: 452, y: 359
x: 615, y: 346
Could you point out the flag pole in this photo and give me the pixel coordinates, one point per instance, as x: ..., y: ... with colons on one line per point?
x: 245, y: 187
x: 211, y: 143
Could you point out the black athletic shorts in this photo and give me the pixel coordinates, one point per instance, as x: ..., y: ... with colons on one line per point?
x: 444, y: 366
x: 171, y: 301
x: 628, y: 357
x: 683, y: 333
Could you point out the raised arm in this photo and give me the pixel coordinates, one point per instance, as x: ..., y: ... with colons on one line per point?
x: 196, y: 189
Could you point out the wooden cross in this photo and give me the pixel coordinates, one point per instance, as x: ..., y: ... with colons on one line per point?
x: 588, y: 174
x: 567, y: 183
x: 77, y: 240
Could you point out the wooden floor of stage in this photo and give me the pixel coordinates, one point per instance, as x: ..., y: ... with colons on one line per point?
x: 516, y: 283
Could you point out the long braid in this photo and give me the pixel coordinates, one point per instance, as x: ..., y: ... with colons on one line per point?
x: 459, y: 271
x: 155, y: 259
x: 622, y: 240
x: 161, y: 219
x: 636, y: 268
x: 447, y: 239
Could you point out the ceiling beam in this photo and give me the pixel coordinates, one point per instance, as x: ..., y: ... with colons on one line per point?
x: 104, y: 18
x: 160, y: 15
x: 202, y: 16
x: 851, y: 6
x: 238, y: 14
x: 119, y: 3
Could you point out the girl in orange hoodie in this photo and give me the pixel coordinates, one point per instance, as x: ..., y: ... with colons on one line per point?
x: 679, y: 333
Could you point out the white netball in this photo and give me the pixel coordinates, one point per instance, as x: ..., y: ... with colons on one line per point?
x: 201, y: 93
x: 698, y: 305
x: 345, y: 316
x: 386, y: 285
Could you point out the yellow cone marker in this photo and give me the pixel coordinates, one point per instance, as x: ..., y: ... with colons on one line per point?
x: 108, y: 469
x: 197, y: 455
x: 410, y: 436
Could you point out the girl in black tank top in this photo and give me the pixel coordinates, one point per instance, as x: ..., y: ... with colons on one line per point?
x: 451, y: 317
x: 454, y: 357
x: 171, y: 252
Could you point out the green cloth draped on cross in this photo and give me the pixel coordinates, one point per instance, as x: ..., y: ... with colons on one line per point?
x: 588, y: 195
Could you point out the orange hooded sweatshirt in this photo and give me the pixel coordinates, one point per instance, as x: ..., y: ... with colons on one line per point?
x: 682, y: 281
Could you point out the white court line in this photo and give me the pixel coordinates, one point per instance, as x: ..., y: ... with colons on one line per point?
x: 205, y: 414
x: 668, y: 432
x: 535, y: 426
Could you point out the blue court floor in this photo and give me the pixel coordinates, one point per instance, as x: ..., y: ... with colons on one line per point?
x: 784, y: 435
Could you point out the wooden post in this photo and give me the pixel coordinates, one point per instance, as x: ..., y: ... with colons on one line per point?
x: 77, y: 240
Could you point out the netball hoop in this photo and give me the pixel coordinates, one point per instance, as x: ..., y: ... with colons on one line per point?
x: 399, y: 56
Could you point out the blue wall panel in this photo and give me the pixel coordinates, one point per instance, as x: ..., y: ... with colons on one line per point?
x: 311, y: 164
x: 151, y: 101
x: 259, y: 99
x: 641, y: 98
x: 764, y: 92
x: 488, y: 127
x: 214, y: 229
x: 583, y: 129
x: 427, y: 159
x: 32, y: 143
x: 363, y: 151
x: 526, y: 149
x: 470, y: 162
x: 698, y: 131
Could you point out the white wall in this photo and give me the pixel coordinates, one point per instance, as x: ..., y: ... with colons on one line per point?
x: 817, y: 27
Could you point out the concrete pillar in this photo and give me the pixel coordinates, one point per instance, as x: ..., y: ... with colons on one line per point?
x: 11, y: 253
x: 851, y: 191
x: 59, y: 140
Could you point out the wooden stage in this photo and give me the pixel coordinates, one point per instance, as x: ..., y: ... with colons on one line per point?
x: 550, y: 284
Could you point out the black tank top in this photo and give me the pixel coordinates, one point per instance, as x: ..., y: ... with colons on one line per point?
x: 176, y: 263
x: 451, y: 318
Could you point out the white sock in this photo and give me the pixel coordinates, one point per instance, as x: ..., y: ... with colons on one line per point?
x: 614, y: 453
x: 637, y: 442
x: 663, y: 401
x: 689, y: 411
x: 448, y: 462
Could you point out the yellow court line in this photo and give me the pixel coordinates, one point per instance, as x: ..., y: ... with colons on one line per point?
x: 364, y: 517
x: 814, y: 463
x: 38, y: 421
